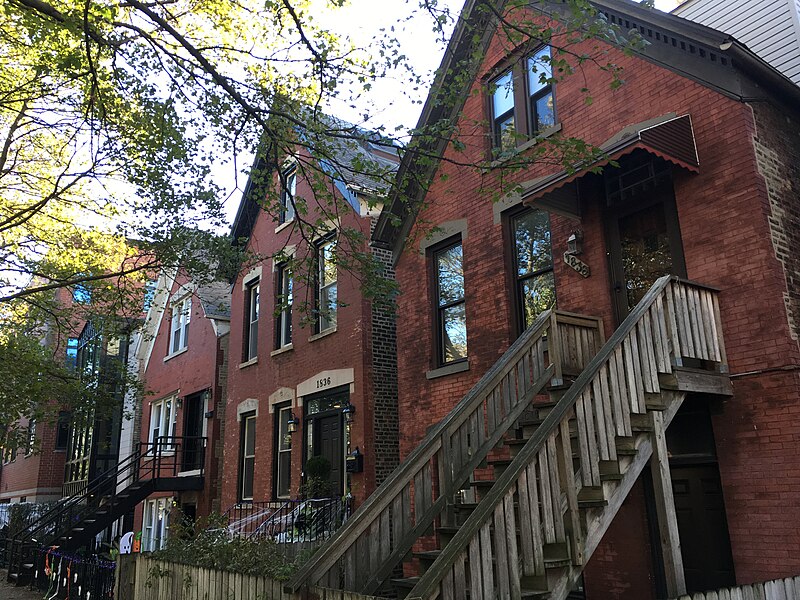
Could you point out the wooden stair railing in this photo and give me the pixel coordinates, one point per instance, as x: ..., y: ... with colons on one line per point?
x: 553, y: 492
x: 367, y: 550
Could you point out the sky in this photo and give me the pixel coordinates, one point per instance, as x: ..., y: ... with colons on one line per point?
x: 391, y: 103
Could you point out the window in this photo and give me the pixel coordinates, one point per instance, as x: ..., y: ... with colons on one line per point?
x: 326, y: 282
x: 72, y: 354
x: 179, y: 325
x: 533, y: 265
x: 10, y: 454
x: 288, y: 189
x: 62, y: 430
x: 248, y: 457
x: 283, y: 453
x: 81, y: 294
x: 149, y: 294
x: 519, y: 113
x: 252, y: 309
x: 31, y: 435
x: 283, y: 302
x: 162, y: 421
x: 451, y: 322
x: 156, y: 524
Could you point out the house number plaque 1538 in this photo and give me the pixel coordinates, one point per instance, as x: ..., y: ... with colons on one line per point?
x: 577, y: 264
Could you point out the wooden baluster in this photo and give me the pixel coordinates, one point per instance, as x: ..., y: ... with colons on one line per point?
x: 583, y: 443
x: 610, y: 416
x: 723, y: 357
x: 509, y: 393
x: 630, y: 375
x: 598, y: 411
x: 487, y: 563
x: 536, y: 517
x: 636, y: 355
x: 683, y: 320
x: 475, y: 582
x: 570, y: 490
x: 491, y: 411
x: 618, y: 362
x: 376, y: 540
x: 546, y: 497
x: 386, y: 545
x: 446, y: 586
x: 350, y: 568
x: 694, y: 315
x: 512, y: 553
x: 662, y: 344
x: 709, y: 326
x: 649, y: 342
x: 591, y: 435
x: 501, y: 556
x: 459, y: 577
x: 672, y: 323
x: 555, y: 486
x: 525, y: 530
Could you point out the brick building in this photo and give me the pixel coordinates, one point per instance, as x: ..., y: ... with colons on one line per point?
x: 182, y: 362
x: 311, y: 370
x: 704, y: 140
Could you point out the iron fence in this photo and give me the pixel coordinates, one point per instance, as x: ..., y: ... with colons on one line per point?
x: 65, y: 576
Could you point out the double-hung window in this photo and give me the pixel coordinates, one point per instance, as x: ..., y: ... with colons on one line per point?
x: 327, y: 298
x: 156, y: 524
x: 252, y: 309
x: 451, y: 321
x: 31, y: 437
x: 533, y: 265
x: 283, y: 453
x: 522, y: 100
x: 288, y: 190
x: 247, y: 463
x: 179, y: 325
x: 162, y: 422
x: 283, y: 302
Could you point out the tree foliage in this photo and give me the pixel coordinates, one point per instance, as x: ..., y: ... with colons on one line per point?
x: 117, y: 115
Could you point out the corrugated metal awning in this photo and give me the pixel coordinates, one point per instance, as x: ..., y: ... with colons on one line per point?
x: 670, y: 138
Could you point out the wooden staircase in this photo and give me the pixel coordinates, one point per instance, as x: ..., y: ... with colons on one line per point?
x: 525, y: 526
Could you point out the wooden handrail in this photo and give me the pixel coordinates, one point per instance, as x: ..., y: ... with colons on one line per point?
x: 393, y: 491
x: 680, y: 329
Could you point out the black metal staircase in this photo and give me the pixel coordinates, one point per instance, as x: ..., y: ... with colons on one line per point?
x: 75, y: 521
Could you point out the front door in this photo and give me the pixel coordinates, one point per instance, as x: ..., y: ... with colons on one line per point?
x: 326, y: 433
x: 194, y: 407
x: 644, y: 243
x: 331, y: 445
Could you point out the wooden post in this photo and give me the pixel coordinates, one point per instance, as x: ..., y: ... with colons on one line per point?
x: 665, y: 507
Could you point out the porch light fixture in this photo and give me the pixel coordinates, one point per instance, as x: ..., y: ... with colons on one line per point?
x: 349, y: 412
x: 291, y: 424
x: 575, y: 243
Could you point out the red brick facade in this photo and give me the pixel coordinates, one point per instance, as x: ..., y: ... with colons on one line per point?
x: 731, y: 231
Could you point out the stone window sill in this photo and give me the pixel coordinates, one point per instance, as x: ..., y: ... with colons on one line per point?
x: 451, y: 369
x: 283, y: 226
x: 247, y: 363
x: 322, y: 334
x: 281, y: 350
x: 176, y: 353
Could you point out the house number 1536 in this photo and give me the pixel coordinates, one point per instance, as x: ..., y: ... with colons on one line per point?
x: 323, y: 382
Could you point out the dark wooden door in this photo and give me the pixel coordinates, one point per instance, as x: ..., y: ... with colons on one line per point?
x: 705, y: 545
x: 644, y: 244
x: 331, y: 445
x: 192, y: 431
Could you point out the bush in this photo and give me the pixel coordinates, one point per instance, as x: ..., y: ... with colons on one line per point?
x: 206, y: 544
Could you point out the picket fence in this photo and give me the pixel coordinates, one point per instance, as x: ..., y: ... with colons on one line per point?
x: 141, y: 578
x: 777, y: 589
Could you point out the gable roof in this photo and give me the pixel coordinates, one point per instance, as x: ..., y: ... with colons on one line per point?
x: 347, y: 149
x: 701, y: 53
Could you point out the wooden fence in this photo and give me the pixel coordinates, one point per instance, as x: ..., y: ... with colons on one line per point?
x: 778, y: 589
x: 141, y: 578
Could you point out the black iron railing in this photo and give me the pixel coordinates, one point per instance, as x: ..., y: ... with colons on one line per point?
x: 162, y: 458
x: 290, y: 521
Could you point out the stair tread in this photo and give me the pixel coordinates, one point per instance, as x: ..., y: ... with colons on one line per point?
x: 428, y: 554
x: 406, y: 582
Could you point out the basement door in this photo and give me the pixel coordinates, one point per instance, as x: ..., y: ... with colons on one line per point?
x: 644, y: 241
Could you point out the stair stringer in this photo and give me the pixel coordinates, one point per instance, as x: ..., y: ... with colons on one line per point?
x: 597, y: 524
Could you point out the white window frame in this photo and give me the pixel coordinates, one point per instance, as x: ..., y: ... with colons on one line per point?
x: 253, y: 307
x: 284, y: 300
x: 31, y: 437
x: 288, y: 193
x: 282, y: 453
x: 326, y: 311
x: 249, y: 420
x: 160, y: 427
x: 179, y: 325
x: 156, y: 525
